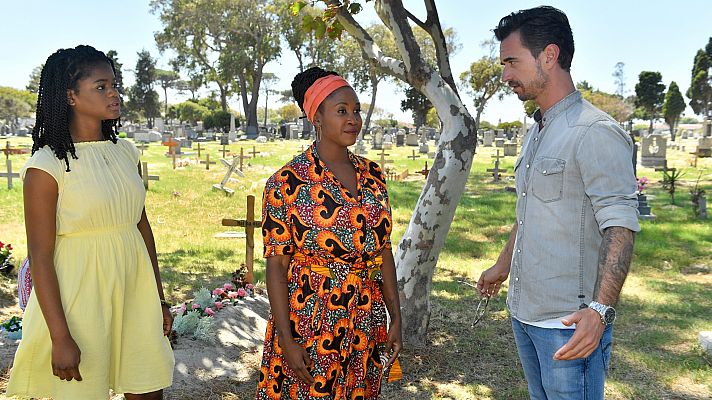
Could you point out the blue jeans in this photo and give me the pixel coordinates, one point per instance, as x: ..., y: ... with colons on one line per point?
x: 550, y: 379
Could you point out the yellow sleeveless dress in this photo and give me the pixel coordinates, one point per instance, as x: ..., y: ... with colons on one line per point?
x: 106, y: 282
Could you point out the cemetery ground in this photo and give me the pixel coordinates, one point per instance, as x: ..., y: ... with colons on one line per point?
x: 666, y: 301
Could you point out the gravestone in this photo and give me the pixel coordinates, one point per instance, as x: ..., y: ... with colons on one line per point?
x: 251, y: 132
x: 147, y: 136
x: 510, y: 149
x: 499, y: 142
x: 653, y: 151
x: 705, y: 338
x: 360, y: 147
x: 707, y: 127
x: 159, y: 125
x: 704, y: 147
x: 488, y: 139
x: 400, y: 138
x: 293, y: 132
x: 377, y: 142
x: 411, y: 139
x: 644, y: 208
x: 387, y: 141
x: 424, y: 148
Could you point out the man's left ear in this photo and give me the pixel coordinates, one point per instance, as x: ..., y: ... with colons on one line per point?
x: 551, y: 55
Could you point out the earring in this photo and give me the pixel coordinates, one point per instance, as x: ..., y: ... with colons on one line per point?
x: 318, y: 133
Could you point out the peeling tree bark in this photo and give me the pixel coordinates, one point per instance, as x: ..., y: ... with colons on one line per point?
x: 417, y: 253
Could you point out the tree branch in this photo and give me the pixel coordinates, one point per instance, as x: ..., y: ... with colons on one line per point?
x: 390, y: 65
x: 417, y: 21
x: 434, y: 28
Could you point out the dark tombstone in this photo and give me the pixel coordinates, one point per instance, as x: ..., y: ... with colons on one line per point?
x: 251, y: 132
x: 224, y: 141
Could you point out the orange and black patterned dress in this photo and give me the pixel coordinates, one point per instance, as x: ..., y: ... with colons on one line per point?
x: 336, y: 306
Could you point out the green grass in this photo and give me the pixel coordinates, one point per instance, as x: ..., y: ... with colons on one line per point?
x: 665, y: 303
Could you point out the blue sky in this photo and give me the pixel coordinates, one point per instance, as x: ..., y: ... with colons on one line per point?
x: 645, y: 35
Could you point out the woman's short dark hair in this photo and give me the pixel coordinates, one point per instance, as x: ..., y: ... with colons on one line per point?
x: 62, y: 71
x: 303, y: 80
x: 539, y: 27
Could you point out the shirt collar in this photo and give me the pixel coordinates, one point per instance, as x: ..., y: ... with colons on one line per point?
x: 558, y: 108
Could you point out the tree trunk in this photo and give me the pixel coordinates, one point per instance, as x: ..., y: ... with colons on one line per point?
x: 650, y: 129
x: 417, y: 253
x: 374, y: 90
x: 223, y: 97
x: 165, y: 98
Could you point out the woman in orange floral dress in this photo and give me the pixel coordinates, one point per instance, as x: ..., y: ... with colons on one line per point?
x: 326, y: 222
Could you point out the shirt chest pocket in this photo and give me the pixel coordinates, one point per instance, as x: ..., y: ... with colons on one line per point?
x: 548, y: 179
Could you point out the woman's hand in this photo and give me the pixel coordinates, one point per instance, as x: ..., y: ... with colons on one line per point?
x: 65, y: 359
x: 298, y: 360
x: 167, y: 320
x: 395, y: 342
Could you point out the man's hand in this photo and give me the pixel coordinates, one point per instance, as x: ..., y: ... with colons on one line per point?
x: 491, y: 280
x: 586, y: 338
x: 167, y: 320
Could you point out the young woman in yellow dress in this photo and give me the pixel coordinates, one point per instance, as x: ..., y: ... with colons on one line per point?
x: 96, y: 319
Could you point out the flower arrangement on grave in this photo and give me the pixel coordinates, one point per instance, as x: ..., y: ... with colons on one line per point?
x: 193, y: 318
x: 696, y: 193
x: 642, y: 184
x: 5, y: 257
x: 13, y: 327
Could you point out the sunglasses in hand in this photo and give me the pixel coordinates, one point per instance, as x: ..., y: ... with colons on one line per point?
x: 481, y: 309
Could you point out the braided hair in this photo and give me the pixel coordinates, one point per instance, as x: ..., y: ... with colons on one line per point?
x: 62, y: 71
x: 303, y: 80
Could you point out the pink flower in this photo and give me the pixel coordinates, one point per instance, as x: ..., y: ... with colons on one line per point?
x: 228, y: 286
x: 219, y: 305
x: 182, y: 309
x: 241, y: 292
x: 195, y: 306
x: 232, y: 295
x: 250, y: 286
x: 209, y: 311
x: 218, y: 292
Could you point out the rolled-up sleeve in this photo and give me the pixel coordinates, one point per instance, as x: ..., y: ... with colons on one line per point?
x: 605, y: 158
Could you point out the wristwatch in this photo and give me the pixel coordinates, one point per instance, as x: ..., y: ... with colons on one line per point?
x: 607, y: 313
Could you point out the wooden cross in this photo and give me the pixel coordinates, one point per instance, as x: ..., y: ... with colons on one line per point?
x: 173, y: 156
x: 254, y: 152
x: 172, y: 144
x: 301, y: 150
x: 249, y: 224
x: 200, y: 148
x: 142, y: 147
x: 383, y: 160
x: 425, y: 171
x: 9, y: 150
x: 414, y: 156
x: 224, y: 150
x: 9, y: 174
x: 665, y: 168
x: 696, y: 154
x: 231, y: 167
x: 207, y: 161
x: 145, y: 176
x: 496, y: 171
x: 243, y: 157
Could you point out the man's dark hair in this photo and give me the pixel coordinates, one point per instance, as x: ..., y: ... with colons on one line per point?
x: 62, y: 71
x: 539, y: 27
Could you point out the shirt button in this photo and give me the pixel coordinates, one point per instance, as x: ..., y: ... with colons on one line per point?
x: 543, y: 172
x: 536, y: 138
x: 521, y: 222
x: 527, y: 165
x: 516, y: 279
x: 524, y: 194
x: 519, y: 251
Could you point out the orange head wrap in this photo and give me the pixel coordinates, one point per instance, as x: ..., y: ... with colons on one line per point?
x: 318, y: 91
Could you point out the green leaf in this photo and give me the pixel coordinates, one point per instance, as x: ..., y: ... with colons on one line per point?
x: 355, y: 8
x: 296, y: 7
x: 320, y: 28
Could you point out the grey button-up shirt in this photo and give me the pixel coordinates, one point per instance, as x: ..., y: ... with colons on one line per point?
x: 574, y: 179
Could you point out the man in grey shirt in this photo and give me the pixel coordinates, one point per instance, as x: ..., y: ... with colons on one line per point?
x: 570, y: 249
